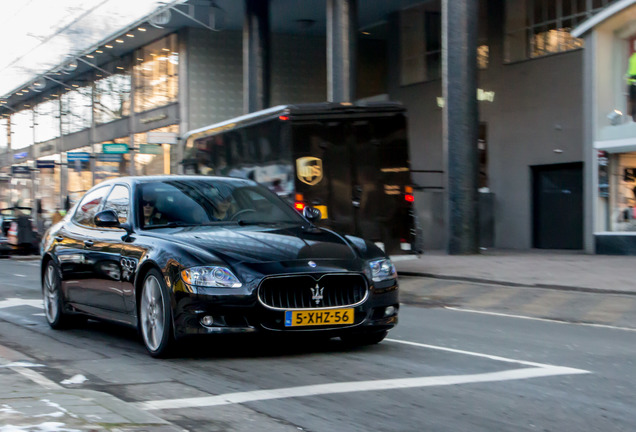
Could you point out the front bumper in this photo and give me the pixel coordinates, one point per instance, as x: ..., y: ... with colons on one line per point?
x: 243, y: 313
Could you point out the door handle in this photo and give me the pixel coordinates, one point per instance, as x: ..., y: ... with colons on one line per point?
x: 59, y: 238
x: 88, y: 243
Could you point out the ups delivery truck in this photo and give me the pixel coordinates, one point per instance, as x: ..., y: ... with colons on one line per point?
x: 351, y: 161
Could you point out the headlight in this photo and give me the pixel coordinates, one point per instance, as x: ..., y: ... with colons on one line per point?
x: 215, y: 277
x: 382, y: 269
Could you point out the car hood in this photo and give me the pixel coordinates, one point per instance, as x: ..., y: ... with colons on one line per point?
x: 260, y: 244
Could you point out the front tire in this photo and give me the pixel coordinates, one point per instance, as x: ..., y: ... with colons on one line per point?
x: 155, y: 315
x: 52, y: 295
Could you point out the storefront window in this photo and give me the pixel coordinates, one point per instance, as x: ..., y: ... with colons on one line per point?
x: 47, y: 120
x: 48, y: 188
x: 4, y: 134
x: 156, y: 74
x: 112, y: 94
x: 76, y: 109
x: 80, y: 177
x: 154, y: 158
x: 108, y: 166
x: 22, y: 129
x: 622, y: 192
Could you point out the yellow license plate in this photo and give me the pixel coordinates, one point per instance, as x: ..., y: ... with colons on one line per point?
x: 319, y: 317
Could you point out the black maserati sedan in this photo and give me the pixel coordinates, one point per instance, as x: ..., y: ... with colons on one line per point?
x: 176, y: 256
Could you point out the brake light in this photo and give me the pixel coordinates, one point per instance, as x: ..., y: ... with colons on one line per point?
x: 409, y: 198
x: 300, y: 206
x: 283, y: 117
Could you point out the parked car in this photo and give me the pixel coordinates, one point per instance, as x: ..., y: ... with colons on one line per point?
x: 17, y: 226
x: 177, y: 256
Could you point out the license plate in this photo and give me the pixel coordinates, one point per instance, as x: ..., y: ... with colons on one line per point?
x: 319, y: 317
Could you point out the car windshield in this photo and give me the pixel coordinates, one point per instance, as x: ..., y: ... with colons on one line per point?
x: 209, y: 201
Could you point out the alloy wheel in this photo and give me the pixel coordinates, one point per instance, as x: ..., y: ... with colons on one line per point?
x: 51, y: 295
x: 152, y: 313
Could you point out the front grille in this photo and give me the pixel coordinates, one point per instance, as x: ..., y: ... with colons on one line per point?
x: 295, y: 292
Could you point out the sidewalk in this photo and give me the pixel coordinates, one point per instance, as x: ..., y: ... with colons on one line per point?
x: 571, y: 270
x: 31, y: 402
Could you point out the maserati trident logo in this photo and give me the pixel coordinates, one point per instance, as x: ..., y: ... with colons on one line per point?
x: 316, y: 293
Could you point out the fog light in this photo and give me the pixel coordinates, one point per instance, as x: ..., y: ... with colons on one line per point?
x: 389, y: 311
x: 207, y: 320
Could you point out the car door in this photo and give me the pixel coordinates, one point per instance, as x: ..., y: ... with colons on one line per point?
x: 104, y: 285
x: 77, y: 270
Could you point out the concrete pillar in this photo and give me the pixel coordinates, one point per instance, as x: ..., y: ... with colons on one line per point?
x: 256, y: 56
x: 342, y: 37
x: 460, y: 123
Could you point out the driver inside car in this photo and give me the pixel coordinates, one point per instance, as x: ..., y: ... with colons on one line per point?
x: 222, y: 208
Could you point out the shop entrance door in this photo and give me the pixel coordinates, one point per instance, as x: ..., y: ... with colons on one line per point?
x: 557, y: 192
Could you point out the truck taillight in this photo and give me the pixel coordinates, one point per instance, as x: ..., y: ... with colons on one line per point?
x: 300, y: 206
x: 409, y: 198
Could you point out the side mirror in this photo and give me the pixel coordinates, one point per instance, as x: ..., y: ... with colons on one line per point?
x: 312, y: 214
x: 107, y: 219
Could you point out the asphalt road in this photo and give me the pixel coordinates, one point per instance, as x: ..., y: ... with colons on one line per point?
x: 440, y: 369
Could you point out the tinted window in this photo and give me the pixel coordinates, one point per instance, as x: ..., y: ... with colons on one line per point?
x: 119, y: 200
x: 88, y: 207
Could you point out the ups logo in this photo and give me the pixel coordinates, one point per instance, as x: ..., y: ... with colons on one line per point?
x: 309, y: 170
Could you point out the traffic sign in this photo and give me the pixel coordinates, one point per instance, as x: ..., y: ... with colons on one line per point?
x: 115, y: 148
x: 150, y: 149
x: 161, y: 137
x: 45, y: 164
x: 78, y: 156
x: 21, y: 170
x: 108, y: 157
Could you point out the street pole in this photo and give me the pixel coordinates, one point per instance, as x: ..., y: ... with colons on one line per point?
x: 256, y: 56
x: 342, y: 40
x: 460, y: 123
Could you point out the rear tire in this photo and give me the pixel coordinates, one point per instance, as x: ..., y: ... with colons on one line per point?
x: 52, y: 295
x: 362, y: 339
x: 155, y: 316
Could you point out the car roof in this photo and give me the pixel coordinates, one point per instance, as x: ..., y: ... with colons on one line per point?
x: 134, y: 180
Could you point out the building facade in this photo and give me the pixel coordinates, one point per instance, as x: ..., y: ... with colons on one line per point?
x: 126, y: 116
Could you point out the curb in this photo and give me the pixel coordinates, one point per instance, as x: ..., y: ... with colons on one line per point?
x: 516, y: 284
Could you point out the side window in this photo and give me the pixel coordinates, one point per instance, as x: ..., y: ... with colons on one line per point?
x: 119, y: 200
x: 87, y: 208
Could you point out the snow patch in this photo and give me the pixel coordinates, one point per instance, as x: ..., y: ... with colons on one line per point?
x: 42, y: 427
x: 75, y: 379
x: 21, y: 364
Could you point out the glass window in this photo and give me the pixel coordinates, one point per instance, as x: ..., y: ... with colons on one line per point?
x: 112, y: 94
x: 156, y: 74
x: 421, y: 42
x: 22, y: 129
x: 79, y: 176
x: 76, y: 109
x: 4, y: 134
x: 153, y: 158
x: 109, y: 166
x: 619, y: 170
x: 195, y: 202
x: 535, y: 28
x: 87, y: 208
x: 119, y: 200
x: 47, y: 120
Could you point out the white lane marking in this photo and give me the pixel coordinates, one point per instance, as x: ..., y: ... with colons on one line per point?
x: 19, y: 275
x: 355, y: 386
x: 37, y: 378
x: 471, y: 353
x: 12, y: 302
x: 539, y: 319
